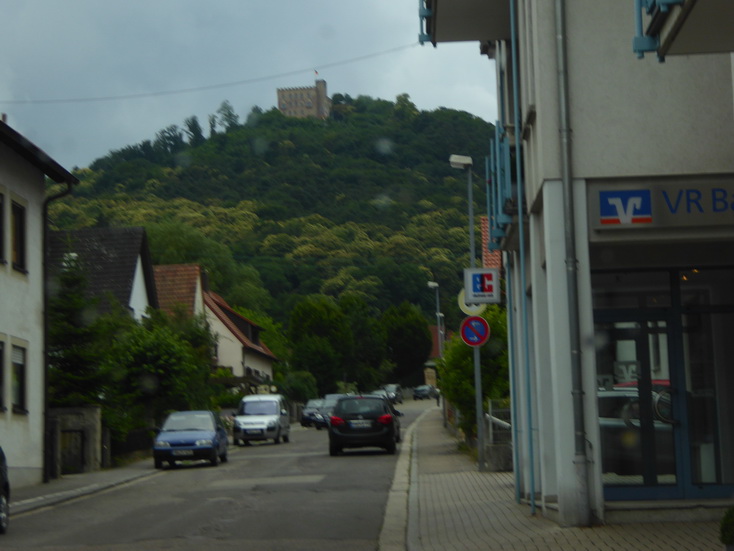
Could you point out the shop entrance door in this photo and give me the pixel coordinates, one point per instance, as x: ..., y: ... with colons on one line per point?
x: 638, y: 429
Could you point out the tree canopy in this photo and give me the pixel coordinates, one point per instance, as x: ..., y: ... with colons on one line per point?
x: 362, y: 203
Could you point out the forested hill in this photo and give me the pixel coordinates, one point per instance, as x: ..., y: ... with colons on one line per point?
x: 275, y: 208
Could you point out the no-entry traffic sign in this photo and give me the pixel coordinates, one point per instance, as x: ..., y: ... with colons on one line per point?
x: 474, y: 331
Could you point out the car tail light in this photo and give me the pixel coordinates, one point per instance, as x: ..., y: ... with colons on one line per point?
x: 336, y: 421
x: 385, y: 419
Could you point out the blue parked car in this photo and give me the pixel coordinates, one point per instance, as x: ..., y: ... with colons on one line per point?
x: 190, y: 435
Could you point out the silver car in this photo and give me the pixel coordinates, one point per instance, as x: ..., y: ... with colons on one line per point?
x: 262, y: 417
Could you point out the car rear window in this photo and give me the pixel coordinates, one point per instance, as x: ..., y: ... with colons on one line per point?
x: 360, y: 406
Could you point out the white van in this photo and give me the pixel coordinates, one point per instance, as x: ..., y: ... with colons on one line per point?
x: 261, y: 417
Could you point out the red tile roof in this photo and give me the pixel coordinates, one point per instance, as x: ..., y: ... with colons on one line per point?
x: 176, y: 284
x: 490, y: 259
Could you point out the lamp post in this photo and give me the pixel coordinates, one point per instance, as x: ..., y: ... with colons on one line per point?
x: 464, y: 162
x: 439, y: 315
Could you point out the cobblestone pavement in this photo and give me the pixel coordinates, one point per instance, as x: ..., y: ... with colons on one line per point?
x: 455, y: 507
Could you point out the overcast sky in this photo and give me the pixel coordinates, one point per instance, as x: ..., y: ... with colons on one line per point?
x: 80, y: 78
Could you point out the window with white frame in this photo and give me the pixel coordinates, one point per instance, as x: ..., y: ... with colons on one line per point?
x: 19, y: 379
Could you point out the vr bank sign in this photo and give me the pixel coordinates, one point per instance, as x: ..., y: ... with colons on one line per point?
x: 670, y: 205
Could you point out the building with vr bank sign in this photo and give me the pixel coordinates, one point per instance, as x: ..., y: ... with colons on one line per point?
x: 612, y: 199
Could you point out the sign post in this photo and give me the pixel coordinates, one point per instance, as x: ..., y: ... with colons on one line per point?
x: 474, y: 331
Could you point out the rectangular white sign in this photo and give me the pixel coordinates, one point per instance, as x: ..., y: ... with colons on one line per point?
x: 482, y: 286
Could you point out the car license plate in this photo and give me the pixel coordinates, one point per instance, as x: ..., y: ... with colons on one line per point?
x: 183, y: 453
x: 360, y: 424
x: 254, y: 431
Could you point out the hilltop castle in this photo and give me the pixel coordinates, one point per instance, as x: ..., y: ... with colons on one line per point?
x: 309, y: 101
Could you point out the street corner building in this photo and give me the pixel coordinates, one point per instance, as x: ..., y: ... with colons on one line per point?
x: 23, y: 202
x: 611, y: 177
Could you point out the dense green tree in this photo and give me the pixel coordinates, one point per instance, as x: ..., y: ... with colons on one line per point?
x: 456, y: 369
x: 227, y: 116
x: 408, y: 342
x: 168, y: 141
x: 280, y: 208
x: 366, y: 365
x: 76, y: 340
x: 213, y: 121
x: 321, y: 339
x: 194, y: 131
x: 155, y: 370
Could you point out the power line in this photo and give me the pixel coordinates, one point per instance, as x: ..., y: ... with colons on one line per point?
x: 206, y: 87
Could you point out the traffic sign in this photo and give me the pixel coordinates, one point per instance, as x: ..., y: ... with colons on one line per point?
x: 469, y: 309
x: 474, y: 331
x: 482, y: 285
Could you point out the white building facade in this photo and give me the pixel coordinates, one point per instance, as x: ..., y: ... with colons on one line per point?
x: 616, y: 218
x: 23, y: 168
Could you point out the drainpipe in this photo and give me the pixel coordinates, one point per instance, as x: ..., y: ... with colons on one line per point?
x: 523, y: 270
x: 582, y: 516
x: 47, y: 459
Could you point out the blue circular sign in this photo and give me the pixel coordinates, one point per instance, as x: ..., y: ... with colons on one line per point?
x: 474, y: 331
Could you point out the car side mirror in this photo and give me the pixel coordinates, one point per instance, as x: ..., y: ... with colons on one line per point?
x: 283, y: 412
x: 398, y: 413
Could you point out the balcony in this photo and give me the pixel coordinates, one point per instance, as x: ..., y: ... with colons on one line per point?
x: 464, y: 20
x: 684, y: 27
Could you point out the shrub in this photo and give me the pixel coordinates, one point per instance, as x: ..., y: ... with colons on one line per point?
x: 726, y: 533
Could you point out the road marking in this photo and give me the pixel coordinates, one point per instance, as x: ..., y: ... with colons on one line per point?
x: 244, y: 483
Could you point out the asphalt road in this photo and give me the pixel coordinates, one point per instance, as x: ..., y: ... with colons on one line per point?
x: 266, y: 497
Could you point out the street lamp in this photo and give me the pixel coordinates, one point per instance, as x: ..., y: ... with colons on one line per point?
x: 464, y: 162
x: 439, y: 315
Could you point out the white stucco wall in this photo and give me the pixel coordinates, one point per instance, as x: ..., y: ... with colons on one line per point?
x: 629, y: 117
x: 139, y: 300
x: 230, y: 353
x: 21, y: 322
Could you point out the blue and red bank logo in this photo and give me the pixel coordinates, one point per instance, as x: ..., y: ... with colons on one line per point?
x: 625, y: 207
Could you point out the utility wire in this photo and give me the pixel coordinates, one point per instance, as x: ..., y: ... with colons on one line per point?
x: 207, y: 87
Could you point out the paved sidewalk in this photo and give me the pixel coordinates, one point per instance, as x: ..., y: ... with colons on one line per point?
x: 71, y: 486
x: 452, y: 506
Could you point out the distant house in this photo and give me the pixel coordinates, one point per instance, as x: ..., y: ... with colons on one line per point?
x: 239, y: 347
x: 23, y: 168
x: 116, y: 262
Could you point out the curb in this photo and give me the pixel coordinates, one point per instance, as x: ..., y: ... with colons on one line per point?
x: 395, y: 525
x: 31, y: 504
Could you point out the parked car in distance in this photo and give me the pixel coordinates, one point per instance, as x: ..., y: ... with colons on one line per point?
x: 191, y: 435
x: 363, y: 421
x: 328, y: 405
x: 384, y: 393
x: 396, y: 393
x: 4, y: 494
x: 311, y: 414
x: 424, y: 392
x: 262, y: 417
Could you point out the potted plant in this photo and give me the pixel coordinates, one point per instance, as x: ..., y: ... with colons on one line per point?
x: 726, y: 529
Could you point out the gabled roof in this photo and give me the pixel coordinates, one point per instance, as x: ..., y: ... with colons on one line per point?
x: 176, y: 284
x: 109, y: 258
x: 238, y: 325
x: 35, y: 156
